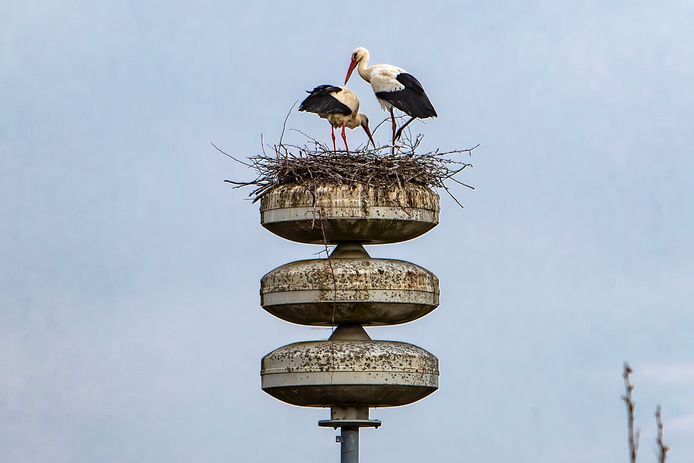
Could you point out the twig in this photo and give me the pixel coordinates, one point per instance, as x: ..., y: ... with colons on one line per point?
x: 334, y: 280
x: 315, y: 142
x: 262, y: 143
x: 451, y: 195
x: 631, y: 409
x: 662, y: 448
x: 229, y: 155
x: 286, y: 118
x: 463, y: 184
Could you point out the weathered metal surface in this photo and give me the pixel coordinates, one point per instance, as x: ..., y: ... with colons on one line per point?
x: 349, y: 332
x: 354, y: 423
x: 349, y: 290
x: 349, y: 373
x: 349, y: 444
x: 349, y: 413
x: 336, y: 213
x: 349, y: 250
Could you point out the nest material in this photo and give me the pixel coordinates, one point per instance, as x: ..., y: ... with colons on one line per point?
x: 317, y: 164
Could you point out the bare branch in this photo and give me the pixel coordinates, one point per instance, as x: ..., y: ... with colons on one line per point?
x: 286, y: 118
x: 663, y: 449
x: 229, y: 155
x: 633, y: 437
x: 451, y: 195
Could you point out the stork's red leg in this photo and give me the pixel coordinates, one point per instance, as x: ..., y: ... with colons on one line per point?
x: 344, y: 137
x: 333, y: 135
x: 392, y: 118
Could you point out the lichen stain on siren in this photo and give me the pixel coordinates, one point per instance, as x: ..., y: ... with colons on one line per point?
x: 349, y: 290
x: 327, y: 373
x: 336, y: 212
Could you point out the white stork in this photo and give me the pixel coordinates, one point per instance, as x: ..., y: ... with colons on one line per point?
x: 340, y: 106
x: 394, y: 88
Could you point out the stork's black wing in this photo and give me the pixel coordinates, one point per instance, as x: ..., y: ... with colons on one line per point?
x: 412, y: 99
x: 321, y: 101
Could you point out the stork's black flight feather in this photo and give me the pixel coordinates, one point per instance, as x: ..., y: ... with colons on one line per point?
x: 412, y: 99
x: 321, y: 101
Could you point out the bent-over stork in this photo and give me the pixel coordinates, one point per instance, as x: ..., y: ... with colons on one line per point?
x: 340, y: 106
x: 394, y: 88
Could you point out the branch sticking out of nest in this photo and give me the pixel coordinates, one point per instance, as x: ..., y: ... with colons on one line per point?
x: 315, y: 163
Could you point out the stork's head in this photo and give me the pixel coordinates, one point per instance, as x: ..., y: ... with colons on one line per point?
x: 364, y: 122
x: 358, y: 55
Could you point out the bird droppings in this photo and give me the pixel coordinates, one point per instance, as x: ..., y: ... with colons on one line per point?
x: 378, y: 373
x: 376, y: 356
x: 344, y: 290
x: 352, y: 275
x: 337, y: 212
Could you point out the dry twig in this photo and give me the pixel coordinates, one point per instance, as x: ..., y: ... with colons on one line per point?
x: 631, y: 409
x: 662, y: 448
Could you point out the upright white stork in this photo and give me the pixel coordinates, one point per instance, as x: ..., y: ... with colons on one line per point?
x: 394, y: 88
x: 340, y: 106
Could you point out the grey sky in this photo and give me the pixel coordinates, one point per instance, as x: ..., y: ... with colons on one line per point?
x: 130, y: 328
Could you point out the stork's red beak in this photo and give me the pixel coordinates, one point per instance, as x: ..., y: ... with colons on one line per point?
x: 368, y: 132
x: 352, y: 65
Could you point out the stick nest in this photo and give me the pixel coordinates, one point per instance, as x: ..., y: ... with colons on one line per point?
x: 314, y: 164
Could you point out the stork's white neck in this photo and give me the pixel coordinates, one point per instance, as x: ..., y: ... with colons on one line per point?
x: 364, y: 72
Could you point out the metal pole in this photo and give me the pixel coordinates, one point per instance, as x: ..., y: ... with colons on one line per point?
x: 349, y: 444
